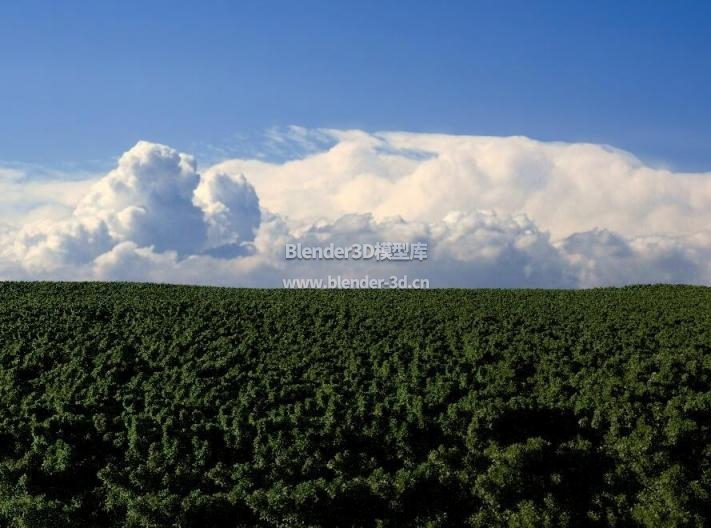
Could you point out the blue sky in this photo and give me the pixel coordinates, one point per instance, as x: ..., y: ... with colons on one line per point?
x: 83, y: 81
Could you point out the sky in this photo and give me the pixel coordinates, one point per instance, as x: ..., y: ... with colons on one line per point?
x: 526, y: 144
x: 83, y: 81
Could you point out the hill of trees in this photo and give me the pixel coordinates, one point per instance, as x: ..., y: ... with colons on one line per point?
x: 164, y: 406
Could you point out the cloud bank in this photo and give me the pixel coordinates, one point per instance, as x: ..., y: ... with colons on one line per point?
x: 494, y: 211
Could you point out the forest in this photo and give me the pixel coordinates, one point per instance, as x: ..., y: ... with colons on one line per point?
x: 144, y: 405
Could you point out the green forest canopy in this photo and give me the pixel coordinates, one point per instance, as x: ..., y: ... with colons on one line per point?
x: 156, y: 406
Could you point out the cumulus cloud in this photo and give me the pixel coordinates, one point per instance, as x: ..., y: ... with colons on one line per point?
x: 147, y: 199
x: 565, y: 188
x: 601, y: 257
x: 153, y: 203
x: 230, y: 209
x: 493, y: 211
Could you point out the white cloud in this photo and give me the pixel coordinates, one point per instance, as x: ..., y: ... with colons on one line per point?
x: 230, y: 209
x: 153, y: 203
x: 564, y: 188
x: 24, y: 200
x: 600, y: 257
x: 494, y: 212
x: 147, y: 199
x: 474, y: 248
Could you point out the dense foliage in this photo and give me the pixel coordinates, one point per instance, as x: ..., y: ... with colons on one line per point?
x: 146, y: 405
